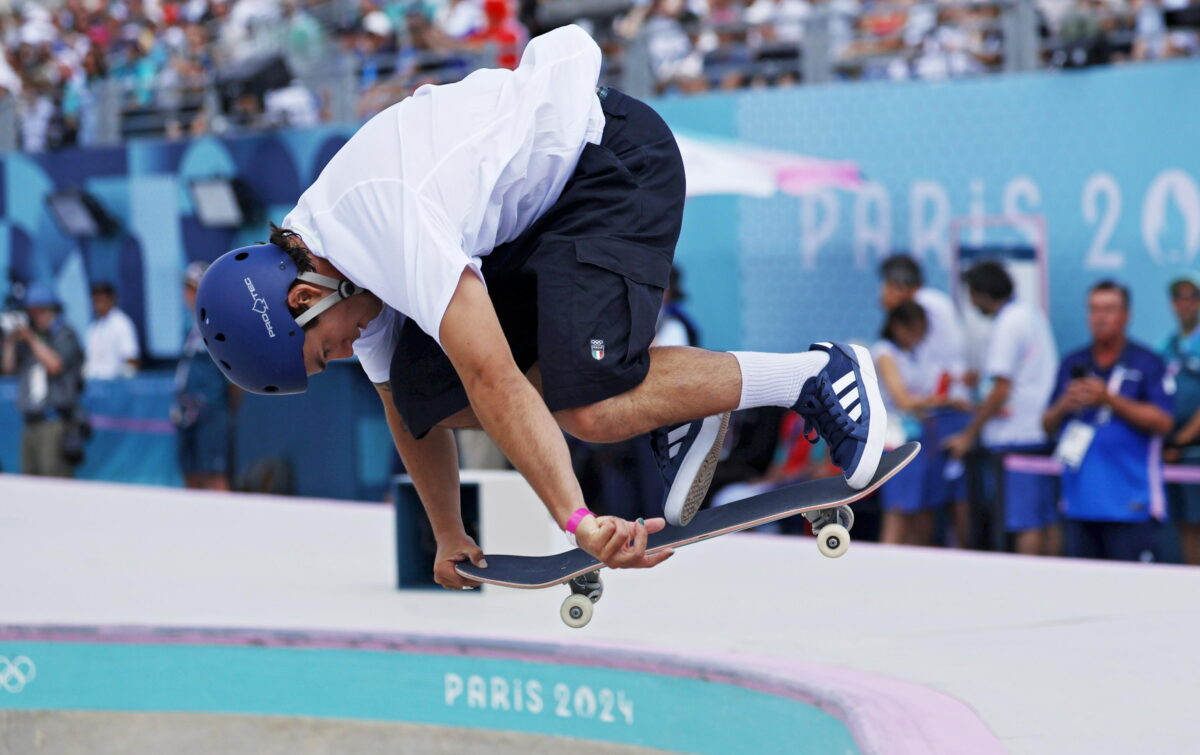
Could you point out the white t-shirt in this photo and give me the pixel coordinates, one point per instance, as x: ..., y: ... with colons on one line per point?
x: 1022, y: 349
x: 111, y: 343
x: 914, y: 372
x: 944, y: 347
x: 435, y: 182
x: 918, y: 378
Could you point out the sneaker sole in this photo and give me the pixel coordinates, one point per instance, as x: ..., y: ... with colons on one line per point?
x: 876, y: 424
x: 701, y: 466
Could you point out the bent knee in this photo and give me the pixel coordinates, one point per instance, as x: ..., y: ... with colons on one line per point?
x: 589, y: 423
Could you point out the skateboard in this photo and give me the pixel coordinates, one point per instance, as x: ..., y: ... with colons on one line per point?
x: 824, y: 502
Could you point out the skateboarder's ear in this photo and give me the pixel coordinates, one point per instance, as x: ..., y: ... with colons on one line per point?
x: 300, y: 297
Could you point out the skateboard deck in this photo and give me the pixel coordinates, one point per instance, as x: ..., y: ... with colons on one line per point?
x: 536, y: 572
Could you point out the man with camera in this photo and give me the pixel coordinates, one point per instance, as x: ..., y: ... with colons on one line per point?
x: 43, y: 350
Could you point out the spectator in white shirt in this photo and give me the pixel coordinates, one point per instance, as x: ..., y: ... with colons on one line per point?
x: 903, y: 375
x: 1020, y: 365
x: 942, y: 353
x: 112, y: 344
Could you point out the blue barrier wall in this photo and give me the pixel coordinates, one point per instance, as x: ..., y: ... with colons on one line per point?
x: 337, y: 421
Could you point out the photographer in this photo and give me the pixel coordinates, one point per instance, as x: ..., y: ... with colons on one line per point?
x: 45, y: 353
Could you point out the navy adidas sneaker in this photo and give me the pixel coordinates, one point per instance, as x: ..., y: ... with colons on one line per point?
x: 843, y: 406
x: 687, y: 454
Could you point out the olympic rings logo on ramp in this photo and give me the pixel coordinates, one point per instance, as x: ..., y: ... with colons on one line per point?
x: 17, y: 673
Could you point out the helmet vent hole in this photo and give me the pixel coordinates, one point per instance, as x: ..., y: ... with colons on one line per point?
x: 204, y: 314
x: 226, y: 365
x: 241, y: 255
x: 291, y: 332
x: 271, y: 389
x: 205, y: 341
x: 220, y: 336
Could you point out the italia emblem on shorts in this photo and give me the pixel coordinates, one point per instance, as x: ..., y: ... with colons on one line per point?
x: 597, y: 349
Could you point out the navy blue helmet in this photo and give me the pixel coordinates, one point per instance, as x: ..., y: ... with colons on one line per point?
x: 241, y: 308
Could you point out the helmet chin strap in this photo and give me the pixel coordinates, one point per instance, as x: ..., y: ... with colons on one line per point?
x: 342, y: 290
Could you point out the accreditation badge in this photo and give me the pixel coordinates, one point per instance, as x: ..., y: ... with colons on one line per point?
x: 1074, y: 443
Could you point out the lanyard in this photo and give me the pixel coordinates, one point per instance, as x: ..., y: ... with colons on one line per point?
x: 1114, y: 387
x: 1104, y: 415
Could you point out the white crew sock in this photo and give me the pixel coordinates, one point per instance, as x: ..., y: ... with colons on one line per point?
x: 776, y: 379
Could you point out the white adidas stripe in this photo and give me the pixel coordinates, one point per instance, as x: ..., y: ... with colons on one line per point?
x: 850, y: 397
x: 856, y: 412
x: 673, y: 451
x: 843, y: 381
x: 678, y: 433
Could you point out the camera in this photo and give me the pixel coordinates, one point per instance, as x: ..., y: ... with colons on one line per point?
x: 13, y: 320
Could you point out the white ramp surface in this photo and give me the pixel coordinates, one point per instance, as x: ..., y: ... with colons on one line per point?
x: 1055, y: 655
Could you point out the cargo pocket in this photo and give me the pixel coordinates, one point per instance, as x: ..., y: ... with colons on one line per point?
x: 619, y: 294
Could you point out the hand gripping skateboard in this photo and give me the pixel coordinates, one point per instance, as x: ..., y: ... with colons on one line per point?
x: 824, y: 502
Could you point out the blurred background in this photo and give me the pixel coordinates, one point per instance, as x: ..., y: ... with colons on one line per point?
x: 822, y: 138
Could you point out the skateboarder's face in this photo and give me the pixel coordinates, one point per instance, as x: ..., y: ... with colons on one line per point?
x: 334, y: 331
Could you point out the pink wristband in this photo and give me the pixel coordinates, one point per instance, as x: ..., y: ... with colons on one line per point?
x: 579, y: 515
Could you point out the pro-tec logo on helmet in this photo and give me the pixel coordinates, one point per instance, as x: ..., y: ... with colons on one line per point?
x: 260, y: 306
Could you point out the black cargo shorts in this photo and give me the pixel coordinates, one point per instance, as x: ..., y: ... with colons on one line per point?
x: 579, y: 292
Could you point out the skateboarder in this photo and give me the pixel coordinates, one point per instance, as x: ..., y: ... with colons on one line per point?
x: 494, y: 252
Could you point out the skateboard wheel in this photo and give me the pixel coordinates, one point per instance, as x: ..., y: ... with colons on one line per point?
x: 833, y: 540
x: 576, y: 611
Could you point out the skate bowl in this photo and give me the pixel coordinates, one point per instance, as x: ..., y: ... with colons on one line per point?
x: 145, y: 690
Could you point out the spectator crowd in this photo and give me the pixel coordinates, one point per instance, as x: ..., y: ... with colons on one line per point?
x: 178, y: 67
x: 1023, y: 449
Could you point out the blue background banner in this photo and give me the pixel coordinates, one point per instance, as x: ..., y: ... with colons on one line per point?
x: 1106, y: 158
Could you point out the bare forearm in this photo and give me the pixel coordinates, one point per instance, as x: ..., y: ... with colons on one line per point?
x: 516, y: 418
x: 1053, y: 418
x: 1144, y: 417
x: 1190, y: 429
x: 46, y: 355
x: 432, y: 463
x: 990, y: 407
x: 504, y: 401
x: 889, y: 373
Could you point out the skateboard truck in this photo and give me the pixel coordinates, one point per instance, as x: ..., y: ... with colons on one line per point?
x: 586, y: 589
x: 832, y: 529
